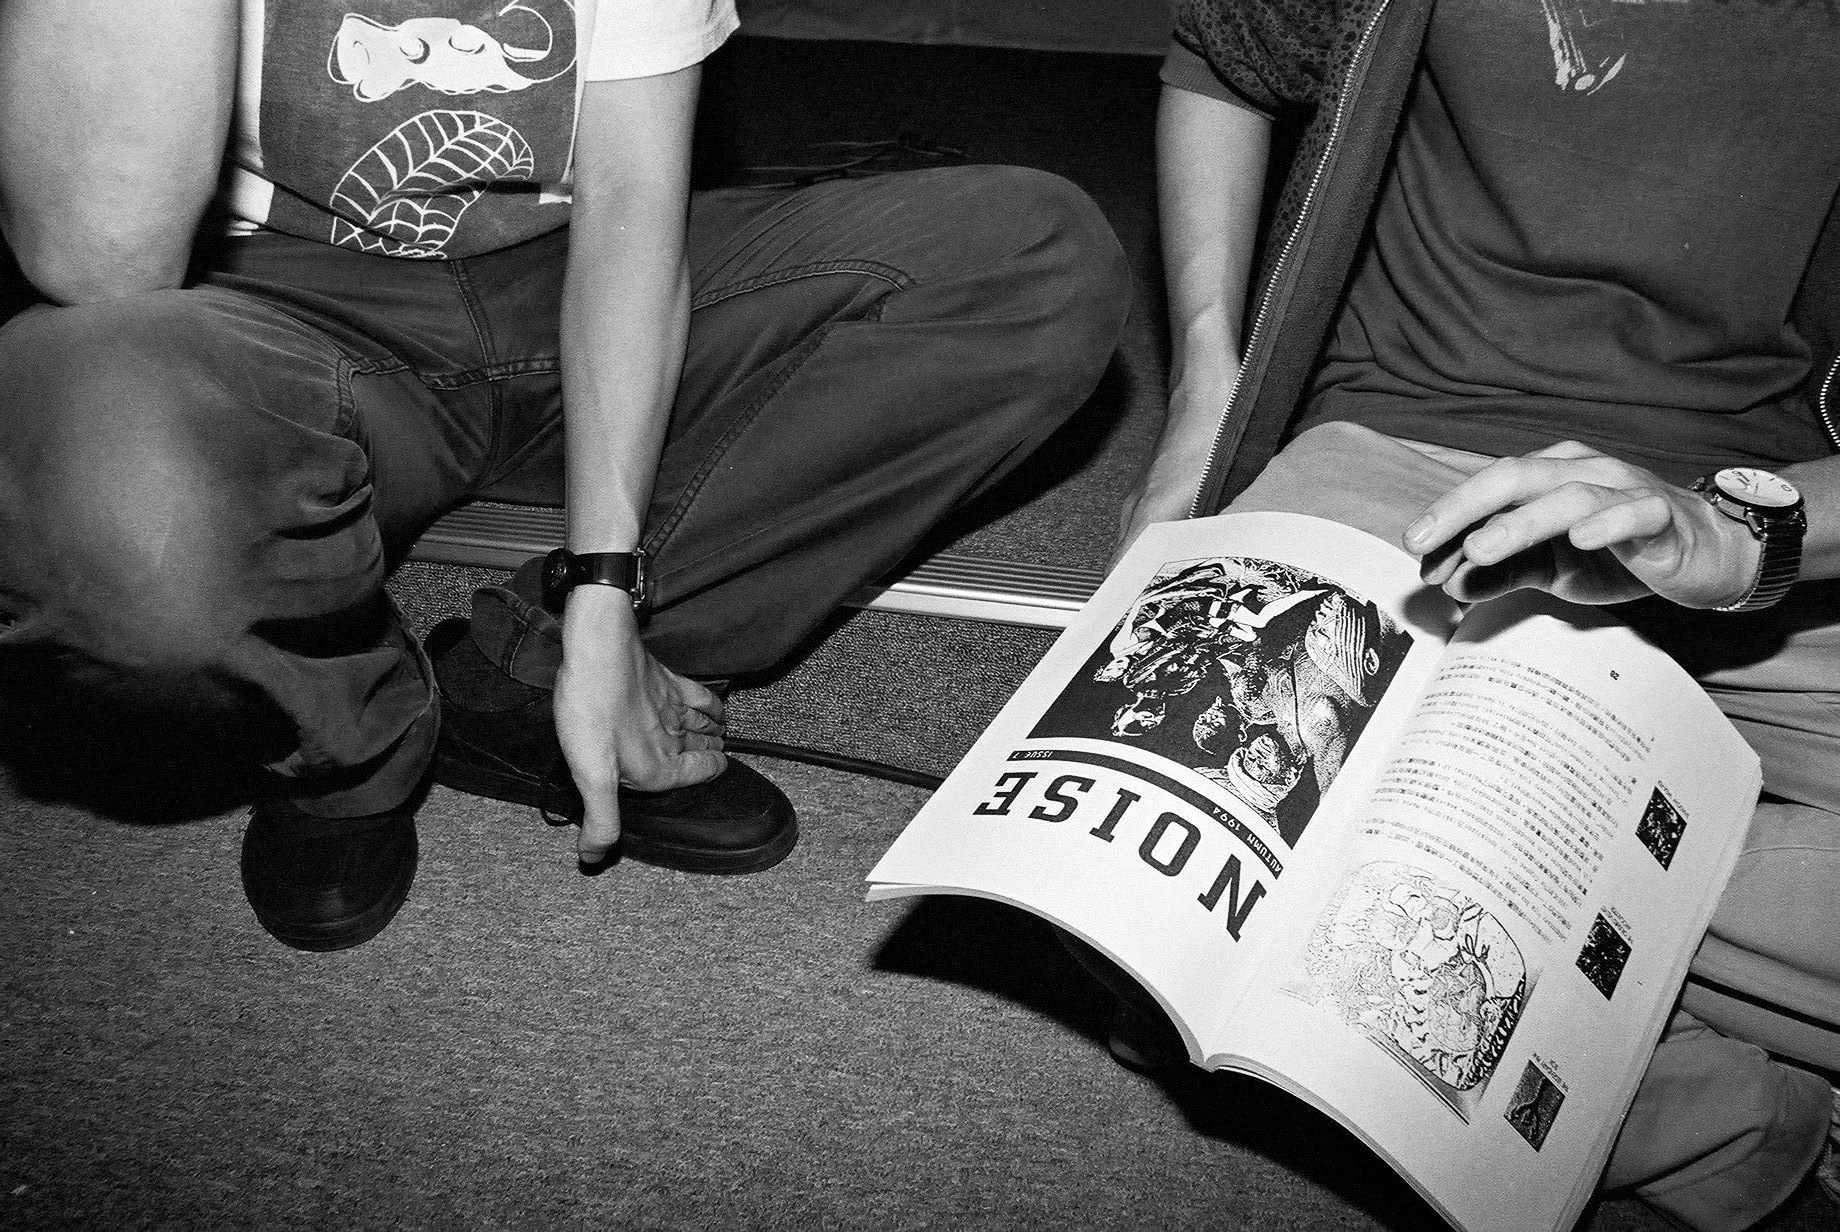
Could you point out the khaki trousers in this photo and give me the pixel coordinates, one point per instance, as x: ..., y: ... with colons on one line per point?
x: 1720, y: 1132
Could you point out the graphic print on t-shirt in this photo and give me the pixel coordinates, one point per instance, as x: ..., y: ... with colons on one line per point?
x: 348, y: 125
x: 441, y: 53
x: 1563, y: 252
x: 410, y: 190
x: 1587, y: 43
x: 1587, y: 37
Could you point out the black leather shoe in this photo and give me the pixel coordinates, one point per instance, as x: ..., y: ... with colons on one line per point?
x: 737, y: 822
x: 498, y: 739
x: 327, y: 884
x: 1142, y: 1038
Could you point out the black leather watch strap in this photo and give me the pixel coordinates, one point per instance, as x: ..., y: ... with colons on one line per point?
x: 564, y: 570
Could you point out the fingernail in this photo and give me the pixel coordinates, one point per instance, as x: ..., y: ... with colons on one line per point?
x: 1487, y: 540
x: 1420, y: 529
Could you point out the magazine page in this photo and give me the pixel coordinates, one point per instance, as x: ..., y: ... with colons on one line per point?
x: 1478, y: 987
x: 1179, y: 752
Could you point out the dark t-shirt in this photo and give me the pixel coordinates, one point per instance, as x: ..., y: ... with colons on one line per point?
x: 1597, y: 218
x: 432, y: 129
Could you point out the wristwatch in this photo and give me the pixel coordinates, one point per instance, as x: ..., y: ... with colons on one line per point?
x: 1772, y: 508
x: 564, y: 570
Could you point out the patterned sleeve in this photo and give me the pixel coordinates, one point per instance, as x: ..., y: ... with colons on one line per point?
x: 1185, y: 70
x: 643, y: 38
x: 1272, y: 54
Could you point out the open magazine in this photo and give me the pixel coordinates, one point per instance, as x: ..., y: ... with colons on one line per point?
x: 1439, y: 873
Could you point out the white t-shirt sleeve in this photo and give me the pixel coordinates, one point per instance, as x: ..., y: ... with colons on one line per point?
x: 643, y: 38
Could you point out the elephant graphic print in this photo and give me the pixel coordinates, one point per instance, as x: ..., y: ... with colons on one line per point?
x: 415, y: 133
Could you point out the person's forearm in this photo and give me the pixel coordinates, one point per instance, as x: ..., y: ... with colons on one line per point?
x: 626, y: 302
x: 1211, y: 160
x: 625, y: 316
x: 113, y: 119
x: 620, y: 715
x: 1819, y: 482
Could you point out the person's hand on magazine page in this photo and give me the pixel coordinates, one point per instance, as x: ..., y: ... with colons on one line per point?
x: 624, y: 718
x: 1584, y: 526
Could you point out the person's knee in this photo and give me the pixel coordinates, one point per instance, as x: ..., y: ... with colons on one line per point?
x: 1719, y: 1133
x: 1060, y: 212
x: 1783, y: 901
x: 1318, y: 455
x: 1331, y: 444
x: 126, y: 604
x: 1062, y: 244
x: 100, y: 421
x: 113, y: 492
x: 1348, y: 474
x: 107, y: 387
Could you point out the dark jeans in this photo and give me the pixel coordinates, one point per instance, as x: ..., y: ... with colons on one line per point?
x: 202, y: 490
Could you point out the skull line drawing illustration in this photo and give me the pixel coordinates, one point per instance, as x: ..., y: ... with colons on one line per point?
x: 454, y: 57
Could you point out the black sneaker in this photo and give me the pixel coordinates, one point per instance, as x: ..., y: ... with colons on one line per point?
x: 1141, y: 1037
x: 327, y: 884
x: 498, y: 739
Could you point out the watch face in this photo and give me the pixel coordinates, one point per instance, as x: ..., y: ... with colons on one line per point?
x: 1755, y: 487
x: 555, y: 573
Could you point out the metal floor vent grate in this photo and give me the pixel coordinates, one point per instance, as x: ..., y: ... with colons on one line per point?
x: 966, y: 587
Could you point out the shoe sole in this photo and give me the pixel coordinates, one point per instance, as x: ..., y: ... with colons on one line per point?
x: 701, y: 860
x: 474, y: 780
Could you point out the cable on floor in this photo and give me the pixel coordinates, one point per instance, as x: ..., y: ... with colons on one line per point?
x: 834, y: 761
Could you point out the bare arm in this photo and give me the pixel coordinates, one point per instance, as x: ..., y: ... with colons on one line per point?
x: 626, y: 305
x: 622, y: 716
x: 1211, y: 159
x: 113, y: 118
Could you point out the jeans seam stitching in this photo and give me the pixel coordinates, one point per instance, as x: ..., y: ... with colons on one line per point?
x: 482, y: 334
x: 374, y: 367
x: 504, y: 370
x: 347, y: 416
x: 654, y: 542
x: 816, y: 269
x: 520, y: 630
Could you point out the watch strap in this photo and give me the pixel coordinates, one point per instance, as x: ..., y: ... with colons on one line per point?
x: 1779, y: 532
x: 564, y: 570
x: 1777, y: 567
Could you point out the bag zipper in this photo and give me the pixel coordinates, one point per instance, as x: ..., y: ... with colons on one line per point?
x: 1259, y: 319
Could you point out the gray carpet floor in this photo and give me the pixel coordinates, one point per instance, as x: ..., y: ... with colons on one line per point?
x: 529, y: 1047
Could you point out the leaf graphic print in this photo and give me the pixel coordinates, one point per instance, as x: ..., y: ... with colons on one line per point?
x: 411, y: 188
